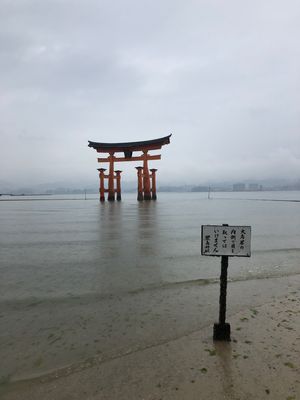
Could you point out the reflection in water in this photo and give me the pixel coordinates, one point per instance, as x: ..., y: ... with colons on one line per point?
x: 110, y: 229
x: 56, y: 248
x: 128, y: 243
x: 147, y: 234
x: 147, y: 237
x: 62, y: 256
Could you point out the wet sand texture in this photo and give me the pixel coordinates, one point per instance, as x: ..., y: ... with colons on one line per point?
x: 261, y: 362
x: 44, y: 335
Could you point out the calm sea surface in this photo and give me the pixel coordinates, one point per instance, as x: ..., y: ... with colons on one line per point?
x: 84, y: 282
x: 64, y: 247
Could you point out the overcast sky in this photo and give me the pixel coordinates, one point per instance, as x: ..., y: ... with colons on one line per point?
x: 222, y: 76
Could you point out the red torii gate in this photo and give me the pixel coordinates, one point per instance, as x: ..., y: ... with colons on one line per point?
x: 146, y: 181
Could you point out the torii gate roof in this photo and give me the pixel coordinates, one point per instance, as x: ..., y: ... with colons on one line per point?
x: 153, y: 144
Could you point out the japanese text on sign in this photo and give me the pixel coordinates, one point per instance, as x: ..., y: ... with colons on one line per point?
x: 221, y: 240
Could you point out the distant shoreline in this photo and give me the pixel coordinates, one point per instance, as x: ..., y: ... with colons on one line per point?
x: 159, y: 190
x: 45, y: 198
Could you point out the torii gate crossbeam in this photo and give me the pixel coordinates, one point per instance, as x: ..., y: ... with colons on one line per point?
x: 146, y: 181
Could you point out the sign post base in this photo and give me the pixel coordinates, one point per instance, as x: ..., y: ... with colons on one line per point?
x: 222, y: 332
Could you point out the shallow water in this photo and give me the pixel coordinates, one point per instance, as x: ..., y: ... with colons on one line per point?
x: 87, y: 281
x: 66, y: 248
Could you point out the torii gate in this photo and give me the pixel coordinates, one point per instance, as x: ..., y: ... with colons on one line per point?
x: 146, y: 181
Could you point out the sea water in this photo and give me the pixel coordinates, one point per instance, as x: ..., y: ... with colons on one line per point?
x: 61, y: 246
x: 84, y: 282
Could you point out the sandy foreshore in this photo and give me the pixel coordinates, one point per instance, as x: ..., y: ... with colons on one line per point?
x: 261, y: 362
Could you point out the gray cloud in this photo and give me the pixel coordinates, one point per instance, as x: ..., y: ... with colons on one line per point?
x: 222, y: 76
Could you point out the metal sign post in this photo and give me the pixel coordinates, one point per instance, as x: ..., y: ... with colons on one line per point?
x: 224, y: 241
x: 222, y: 329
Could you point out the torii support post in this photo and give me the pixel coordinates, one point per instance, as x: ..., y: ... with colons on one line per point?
x: 101, y: 189
x: 111, y: 178
x: 118, y: 179
x: 140, y: 195
x: 146, y: 177
x: 153, y: 178
x: 128, y: 148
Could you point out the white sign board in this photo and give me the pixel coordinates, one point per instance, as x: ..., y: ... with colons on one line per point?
x: 220, y: 240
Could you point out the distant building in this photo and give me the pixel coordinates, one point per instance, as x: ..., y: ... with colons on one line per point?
x: 254, y: 187
x: 200, y: 189
x: 239, y: 187
x: 174, y: 189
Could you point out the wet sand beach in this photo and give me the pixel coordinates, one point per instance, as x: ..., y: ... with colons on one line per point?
x: 261, y: 362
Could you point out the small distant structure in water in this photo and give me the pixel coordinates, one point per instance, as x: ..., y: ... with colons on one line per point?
x: 146, y: 180
x: 208, y: 193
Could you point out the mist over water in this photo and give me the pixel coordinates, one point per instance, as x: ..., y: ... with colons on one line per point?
x: 53, y: 249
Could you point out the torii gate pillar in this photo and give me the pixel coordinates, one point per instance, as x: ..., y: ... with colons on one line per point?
x: 140, y: 195
x: 102, y: 189
x: 118, y: 179
x: 146, y: 178
x: 146, y: 181
x: 153, y: 188
x: 111, y: 178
